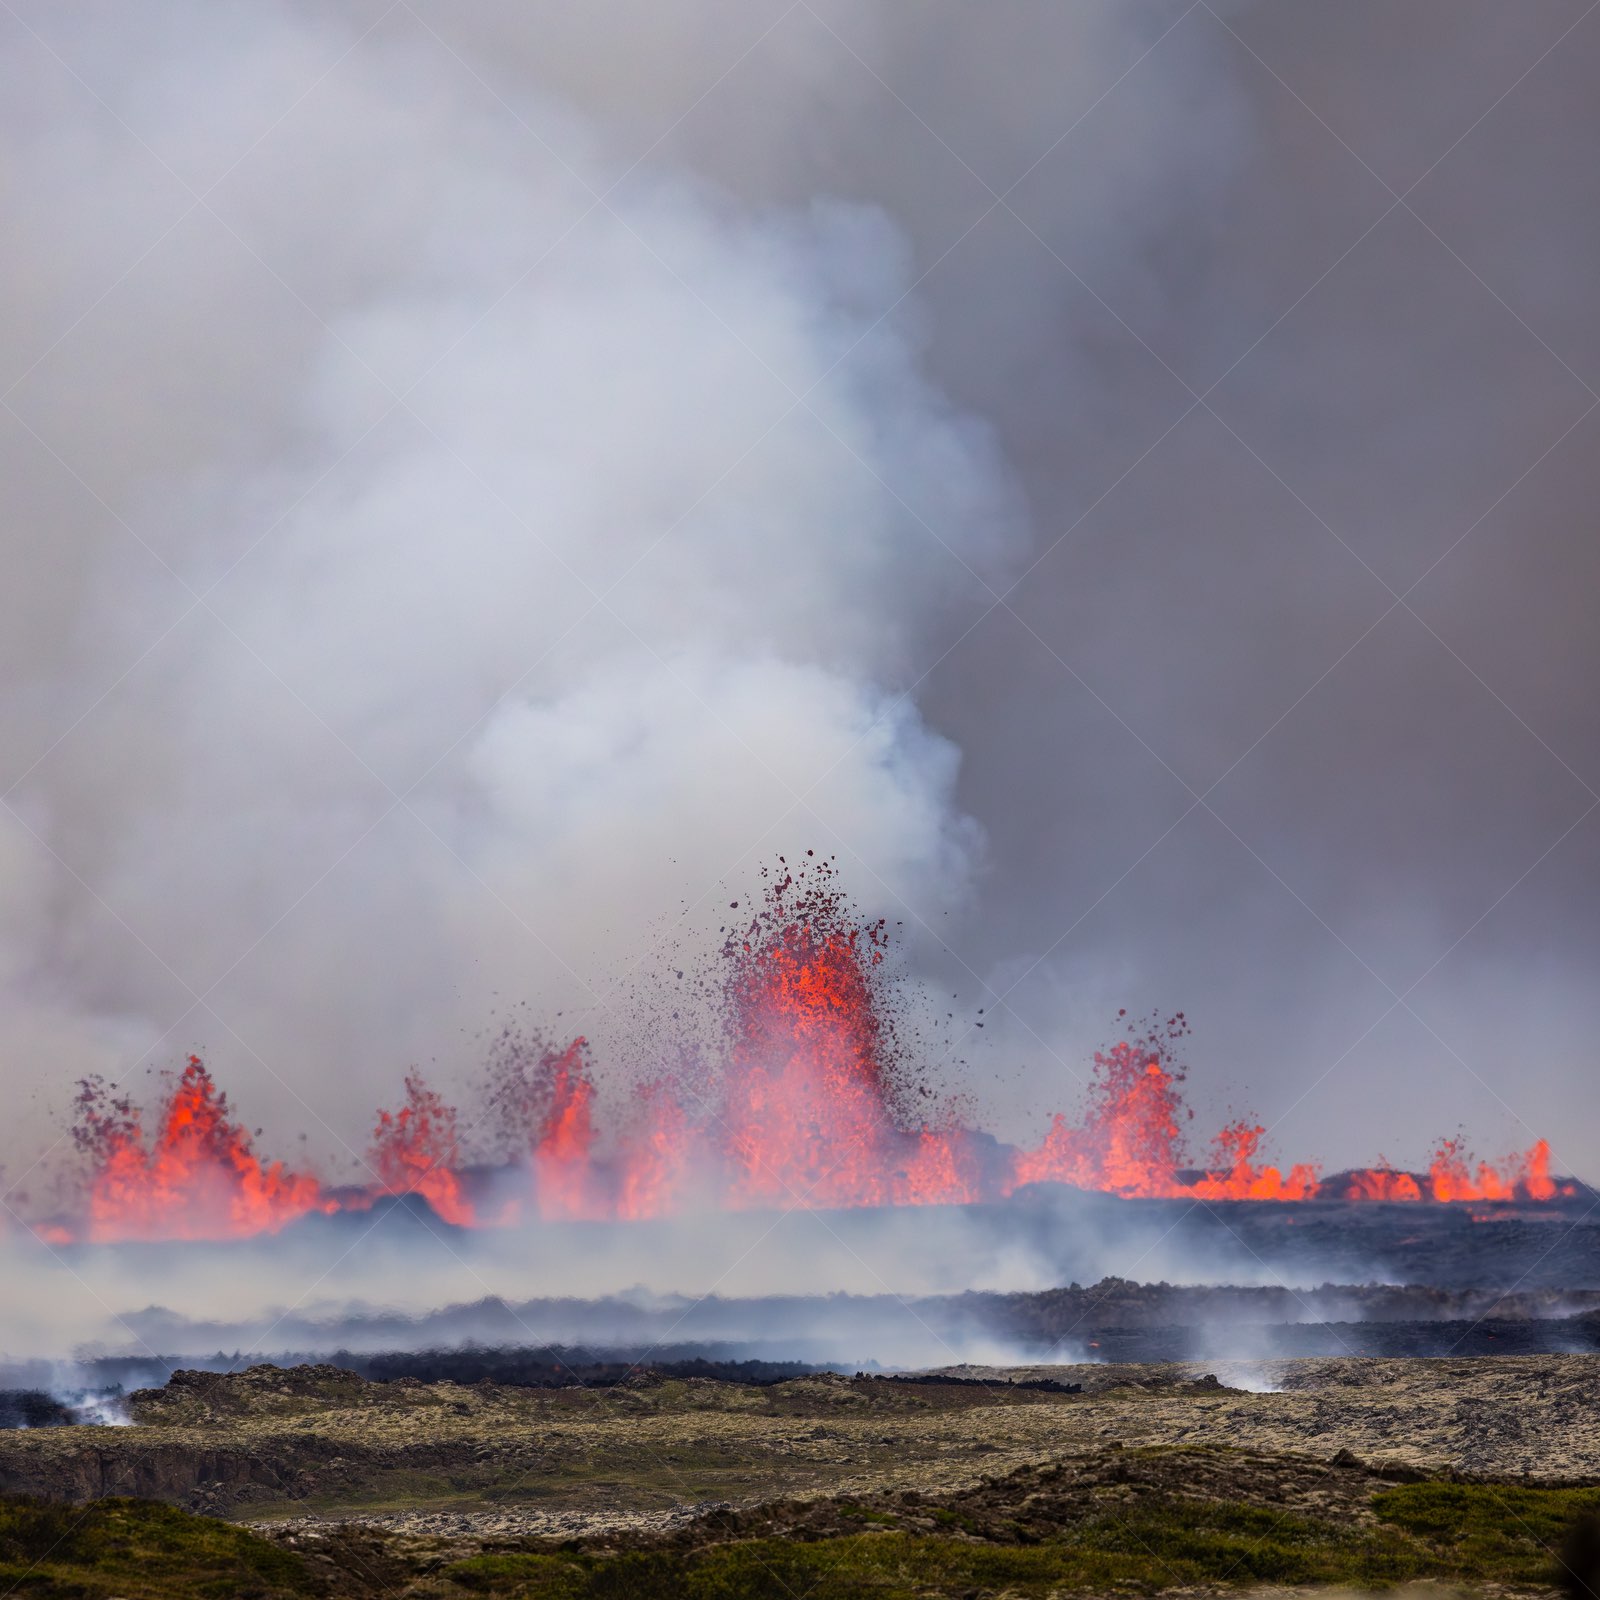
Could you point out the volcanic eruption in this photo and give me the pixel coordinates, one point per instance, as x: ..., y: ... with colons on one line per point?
x: 807, y: 1107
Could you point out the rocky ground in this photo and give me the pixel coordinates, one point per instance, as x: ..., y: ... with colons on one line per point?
x: 1169, y: 1477
x: 316, y: 1443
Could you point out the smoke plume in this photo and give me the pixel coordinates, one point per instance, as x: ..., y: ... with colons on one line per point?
x: 482, y: 479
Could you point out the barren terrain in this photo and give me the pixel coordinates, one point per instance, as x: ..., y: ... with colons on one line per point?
x: 1363, y: 1472
x: 321, y: 1443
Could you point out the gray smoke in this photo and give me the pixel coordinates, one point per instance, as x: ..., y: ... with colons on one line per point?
x: 393, y: 1279
x: 482, y: 479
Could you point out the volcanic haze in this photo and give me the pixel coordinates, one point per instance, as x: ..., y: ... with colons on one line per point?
x: 484, y: 480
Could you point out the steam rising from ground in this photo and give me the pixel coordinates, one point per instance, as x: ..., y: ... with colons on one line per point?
x: 304, y: 1292
x: 383, y: 1280
x: 843, y: 1286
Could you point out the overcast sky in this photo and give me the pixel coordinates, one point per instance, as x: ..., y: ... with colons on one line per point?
x: 482, y: 478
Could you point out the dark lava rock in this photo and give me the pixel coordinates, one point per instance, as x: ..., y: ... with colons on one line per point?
x: 32, y: 1408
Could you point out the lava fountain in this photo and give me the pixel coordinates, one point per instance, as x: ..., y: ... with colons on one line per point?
x: 803, y: 1107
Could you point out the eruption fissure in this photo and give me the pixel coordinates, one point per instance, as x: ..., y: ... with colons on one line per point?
x: 803, y: 1111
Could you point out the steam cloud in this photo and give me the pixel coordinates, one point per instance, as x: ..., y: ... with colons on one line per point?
x: 481, y: 478
x: 572, y: 542
x: 397, y: 1279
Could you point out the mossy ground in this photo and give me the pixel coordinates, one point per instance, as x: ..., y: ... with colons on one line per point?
x: 1486, y: 1537
x: 1179, y: 1547
x: 1361, y: 1475
x: 314, y: 1441
x: 141, y: 1550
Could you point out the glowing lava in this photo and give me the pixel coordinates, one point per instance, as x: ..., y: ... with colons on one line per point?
x: 196, y: 1178
x: 805, y: 1114
x: 415, y: 1151
x: 1131, y: 1142
x: 563, y: 1153
x: 803, y: 1107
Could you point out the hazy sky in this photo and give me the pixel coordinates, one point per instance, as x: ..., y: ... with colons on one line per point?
x: 481, y: 478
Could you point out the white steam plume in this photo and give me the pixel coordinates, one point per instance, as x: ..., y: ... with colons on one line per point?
x: 441, y: 554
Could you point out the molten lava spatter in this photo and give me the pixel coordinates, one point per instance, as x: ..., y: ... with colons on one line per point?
x: 1131, y: 1141
x: 939, y: 1167
x: 1376, y: 1183
x: 1234, y: 1174
x: 563, y: 1154
x: 806, y: 1118
x: 1450, y: 1176
x: 415, y: 1151
x: 196, y: 1178
x: 657, y: 1157
x: 799, y: 1109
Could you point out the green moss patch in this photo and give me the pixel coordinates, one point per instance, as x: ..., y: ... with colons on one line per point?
x: 1462, y: 1534
x: 139, y: 1549
x: 985, y: 1542
x: 1504, y: 1532
x: 1137, y: 1555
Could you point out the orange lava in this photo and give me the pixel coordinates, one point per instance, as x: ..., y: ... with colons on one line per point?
x: 563, y: 1160
x: 1235, y: 1175
x: 657, y: 1157
x: 938, y: 1168
x: 1380, y: 1183
x: 197, y: 1178
x: 805, y: 1117
x: 415, y: 1151
x: 804, y: 1107
x: 1523, y: 1176
x: 1131, y: 1141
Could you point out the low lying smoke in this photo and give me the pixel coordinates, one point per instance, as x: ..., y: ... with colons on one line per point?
x: 898, y: 1286
x: 379, y: 1281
